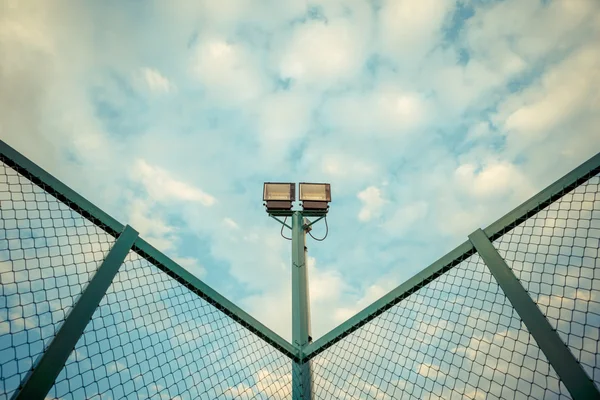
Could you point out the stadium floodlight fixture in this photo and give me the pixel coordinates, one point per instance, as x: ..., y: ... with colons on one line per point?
x: 279, y: 196
x: 315, y: 196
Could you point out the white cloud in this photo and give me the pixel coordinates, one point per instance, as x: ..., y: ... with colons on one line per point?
x: 409, y: 28
x: 155, y: 81
x: 147, y: 219
x: 282, y: 120
x: 345, y: 166
x: 405, y: 216
x: 273, y: 383
x: 228, y: 70
x: 162, y: 186
x: 192, y: 265
x: 325, y: 285
x: 372, y: 203
x: 111, y: 367
x: 273, y: 308
x: 493, y: 180
x: 240, y: 390
x: 534, y: 29
x: 536, y: 36
x: 330, y: 294
x: 323, y: 54
x: 371, y: 294
x: 565, y: 92
x: 231, y: 223
x: 480, y: 130
x: 268, y: 383
x: 147, y: 223
x: 389, y: 112
x: 429, y: 370
x: 27, y: 33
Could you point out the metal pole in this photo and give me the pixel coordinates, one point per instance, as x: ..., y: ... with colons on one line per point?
x: 301, y: 373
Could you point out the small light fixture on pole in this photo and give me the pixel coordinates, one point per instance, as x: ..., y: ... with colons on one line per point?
x: 315, y: 199
x: 279, y: 196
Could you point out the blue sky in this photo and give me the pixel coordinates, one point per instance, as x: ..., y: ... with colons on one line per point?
x: 430, y: 119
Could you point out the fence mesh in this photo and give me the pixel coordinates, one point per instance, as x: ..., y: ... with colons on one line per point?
x: 555, y: 256
x: 458, y: 337
x: 48, y: 254
x: 153, y: 338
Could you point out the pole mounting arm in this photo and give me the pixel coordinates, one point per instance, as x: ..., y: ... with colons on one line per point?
x: 307, y: 226
x: 280, y: 221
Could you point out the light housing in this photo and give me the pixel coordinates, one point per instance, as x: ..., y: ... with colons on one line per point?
x: 279, y: 196
x: 315, y: 196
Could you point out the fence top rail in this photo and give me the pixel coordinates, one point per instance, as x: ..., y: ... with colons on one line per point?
x: 84, y: 207
x: 56, y: 188
x: 504, y: 224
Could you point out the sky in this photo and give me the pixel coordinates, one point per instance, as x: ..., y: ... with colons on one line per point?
x: 430, y: 119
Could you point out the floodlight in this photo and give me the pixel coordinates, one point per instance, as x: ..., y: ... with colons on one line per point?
x: 315, y: 196
x: 279, y: 196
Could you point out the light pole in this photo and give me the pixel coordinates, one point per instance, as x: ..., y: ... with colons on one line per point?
x: 315, y: 199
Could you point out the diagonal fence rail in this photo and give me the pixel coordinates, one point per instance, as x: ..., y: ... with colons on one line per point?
x: 513, y: 312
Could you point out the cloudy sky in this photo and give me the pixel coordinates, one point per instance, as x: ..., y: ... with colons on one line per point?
x: 430, y: 119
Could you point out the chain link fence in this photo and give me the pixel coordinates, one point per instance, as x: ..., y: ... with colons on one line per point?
x: 555, y: 255
x: 457, y: 337
x: 153, y: 338
x: 48, y: 254
x: 159, y: 333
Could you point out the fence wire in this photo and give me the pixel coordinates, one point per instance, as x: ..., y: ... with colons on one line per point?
x: 48, y: 254
x: 555, y: 256
x: 458, y: 337
x: 153, y: 338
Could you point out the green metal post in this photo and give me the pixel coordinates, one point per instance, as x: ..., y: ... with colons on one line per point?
x: 301, y: 373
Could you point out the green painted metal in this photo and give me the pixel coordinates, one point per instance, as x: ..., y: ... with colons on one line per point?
x: 315, y: 213
x: 56, y: 188
x: 444, y: 264
x: 280, y: 221
x: 314, y: 222
x: 544, y: 198
x: 301, y: 372
x: 300, y: 299
x: 566, y: 366
x: 281, y: 213
x: 190, y: 281
x: 39, y: 382
x: 306, y: 213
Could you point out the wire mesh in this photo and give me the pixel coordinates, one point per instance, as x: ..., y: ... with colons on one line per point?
x: 151, y: 337
x: 555, y: 256
x: 457, y: 337
x: 48, y: 254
